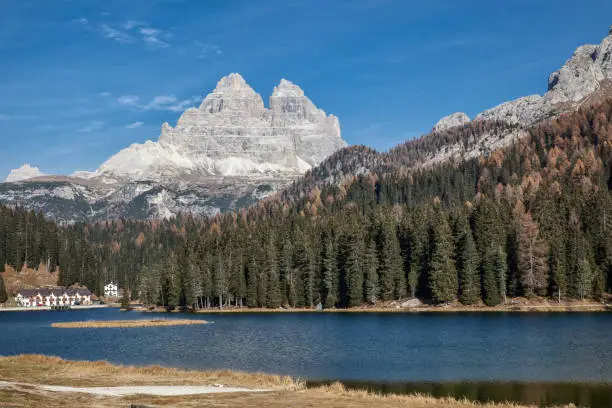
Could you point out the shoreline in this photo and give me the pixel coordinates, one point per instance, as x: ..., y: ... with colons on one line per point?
x: 49, y: 308
x: 459, y: 309
x: 28, y: 379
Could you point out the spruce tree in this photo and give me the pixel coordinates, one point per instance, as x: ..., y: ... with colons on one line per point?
x: 584, y: 279
x: 390, y: 265
x: 371, y: 287
x: 330, y: 275
x: 125, y: 300
x: 443, y: 280
x: 252, y: 279
x: 467, y: 265
x: 287, y: 272
x: 273, y: 300
x: 3, y: 294
x: 353, y: 268
x: 501, y: 270
x: 490, y: 282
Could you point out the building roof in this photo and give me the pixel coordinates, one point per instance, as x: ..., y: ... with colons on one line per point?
x: 57, y: 292
x: 27, y: 292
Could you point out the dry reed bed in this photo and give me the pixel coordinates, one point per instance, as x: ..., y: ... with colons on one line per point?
x: 40, y: 369
x: 94, y: 324
x: 287, y: 391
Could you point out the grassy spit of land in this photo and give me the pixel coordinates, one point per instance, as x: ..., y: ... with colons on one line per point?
x: 285, y: 391
x: 89, y: 324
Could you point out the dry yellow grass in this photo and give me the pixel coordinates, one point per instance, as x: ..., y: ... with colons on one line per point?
x: 126, y: 323
x: 40, y: 369
x: 286, y: 392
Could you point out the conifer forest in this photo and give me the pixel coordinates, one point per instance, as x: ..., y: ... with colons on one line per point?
x: 531, y: 219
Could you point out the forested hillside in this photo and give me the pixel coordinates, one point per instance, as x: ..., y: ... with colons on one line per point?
x: 27, y: 238
x: 530, y: 219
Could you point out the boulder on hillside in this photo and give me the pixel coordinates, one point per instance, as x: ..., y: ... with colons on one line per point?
x: 411, y: 303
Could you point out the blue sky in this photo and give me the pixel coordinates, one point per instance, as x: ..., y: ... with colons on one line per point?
x: 81, y: 79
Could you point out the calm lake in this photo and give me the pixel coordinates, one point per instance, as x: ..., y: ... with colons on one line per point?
x: 525, y: 356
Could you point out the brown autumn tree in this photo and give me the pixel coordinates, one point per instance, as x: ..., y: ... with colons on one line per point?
x: 532, y: 256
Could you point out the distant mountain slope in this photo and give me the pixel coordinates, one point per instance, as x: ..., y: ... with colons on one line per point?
x: 584, y: 80
x: 226, y: 154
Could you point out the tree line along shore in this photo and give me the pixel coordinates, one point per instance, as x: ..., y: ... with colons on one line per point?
x: 529, y: 220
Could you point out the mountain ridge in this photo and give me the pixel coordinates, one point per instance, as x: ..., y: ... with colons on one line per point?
x: 585, y: 78
x: 227, y: 152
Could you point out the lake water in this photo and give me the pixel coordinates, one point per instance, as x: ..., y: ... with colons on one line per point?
x: 387, y: 352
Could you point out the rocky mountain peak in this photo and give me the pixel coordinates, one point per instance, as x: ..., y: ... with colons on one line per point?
x: 232, y: 82
x: 232, y: 133
x: 582, y: 76
x: 578, y: 78
x: 287, y: 89
x: 233, y: 94
x: 452, y: 120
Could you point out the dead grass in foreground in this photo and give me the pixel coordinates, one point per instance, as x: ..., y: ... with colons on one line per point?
x: 126, y: 323
x: 39, y: 369
x: 287, y: 392
x: 335, y: 396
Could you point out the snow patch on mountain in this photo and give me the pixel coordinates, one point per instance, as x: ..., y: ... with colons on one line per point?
x: 23, y: 173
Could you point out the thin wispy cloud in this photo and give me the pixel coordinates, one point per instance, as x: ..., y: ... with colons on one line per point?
x: 206, y: 50
x: 154, y: 37
x: 134, y: 125
x: 140, y: 32
x: 128, y: 25
x: 133, y: 31
x: 92, y: 127
x: 104, y: 94
x: 129, y: 100
x: 114, y: 34
x: 159, y: 103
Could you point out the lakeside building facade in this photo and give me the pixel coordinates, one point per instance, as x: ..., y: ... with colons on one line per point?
x: 53, y: 297
x: 111, y: 290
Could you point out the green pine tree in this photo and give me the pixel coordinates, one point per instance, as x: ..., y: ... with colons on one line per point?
x: 273, y: 300
x: 390, y: 264
x: 467, y: 266
x: 443, y: 280
x: 353, y: 268
x: 330, y: 275
x: 3, y: 294
x: 371, y: 288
